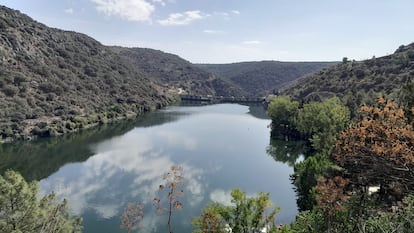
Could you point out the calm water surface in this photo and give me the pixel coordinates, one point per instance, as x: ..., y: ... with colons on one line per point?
x: 220, y: 147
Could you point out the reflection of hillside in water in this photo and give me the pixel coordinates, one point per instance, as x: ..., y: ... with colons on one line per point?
x: 124, y: 168
x: 258, y: 111
x: 40, y: 158
x: 286, y: 151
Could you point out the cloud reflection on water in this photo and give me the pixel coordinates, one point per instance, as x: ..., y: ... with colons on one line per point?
x: 124, y: 169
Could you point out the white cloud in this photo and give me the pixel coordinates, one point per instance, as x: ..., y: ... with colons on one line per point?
x: 131, y: 10
x: 207, y: 31
x: 69, y: 11
x: 107, y: 211
x: 236, y: 12
x: 251, y: 42
x: 226, y: 14
x: 221, y: 197
x: 135, y: 157
x: 178, y: 19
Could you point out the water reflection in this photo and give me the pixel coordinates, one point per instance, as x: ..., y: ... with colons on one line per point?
x: 220, y: 147
x: 124, y: 168
x: 285, y: 151
x: 40, y: 158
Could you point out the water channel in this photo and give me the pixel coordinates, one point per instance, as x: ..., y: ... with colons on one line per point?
x: 101, y: 170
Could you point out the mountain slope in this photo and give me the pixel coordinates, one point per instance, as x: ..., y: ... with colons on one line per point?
x: 359, y: 81
x: 261, y: 78
x: 176, y: 73
x: 54, y: 81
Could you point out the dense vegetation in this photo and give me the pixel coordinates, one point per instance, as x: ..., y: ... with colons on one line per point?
x: 176, y: 73
x: 21, y: 211
x: 54, y: 81
x: 357, y: 82
x: 358, y: 177
x: 247, y: 214
x: 265, y: 77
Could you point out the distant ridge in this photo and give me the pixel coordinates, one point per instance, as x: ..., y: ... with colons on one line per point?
x: 264, y: 77
x: 174, y: 72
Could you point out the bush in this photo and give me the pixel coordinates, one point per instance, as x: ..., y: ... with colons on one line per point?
x: 9, y: 90
x: 23, y: 212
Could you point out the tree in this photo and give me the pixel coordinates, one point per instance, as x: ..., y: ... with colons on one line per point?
x: 305, y: 177
x: 321, y: 122
x: 211, y: 219
x: 379, y: 150
x: 247, y: 214
x: 330, y: 196
x: 282, y: 110
x: 22, y: 212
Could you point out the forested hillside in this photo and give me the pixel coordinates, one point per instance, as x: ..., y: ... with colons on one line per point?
x: 261, y: 78
x: 357, y: 82
x: 176, y: 73
x: 54, y: 81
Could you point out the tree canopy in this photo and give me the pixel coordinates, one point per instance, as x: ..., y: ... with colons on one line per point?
x: 379, y: 149
x: 247, y: 214
x: 22, y: 212
x: 322, y: 121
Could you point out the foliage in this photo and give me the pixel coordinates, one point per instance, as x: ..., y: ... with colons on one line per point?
x: 330, y: 197
x: 211, y: 219
x: 322, y: 121
x: 173, y: 180
x: 49, y: 76
x: 379, y: 150
x: 406, y: 99
x: 282, y: 110
x: 310, y: 221
x: 22, y: 212
x: 247, y: 214
x: 400, y: 221
x: 305, y: 177
x: 359, y: 81
x: 315, y: 221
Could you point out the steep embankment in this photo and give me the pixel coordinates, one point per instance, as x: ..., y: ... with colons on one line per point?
x: 176, y: 73
x: 261, y: 78
x: 359, y: 82
x: 54, y: 81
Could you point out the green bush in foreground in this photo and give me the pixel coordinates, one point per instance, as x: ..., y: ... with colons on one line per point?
x: 246, y: 214
x: 22, y: 212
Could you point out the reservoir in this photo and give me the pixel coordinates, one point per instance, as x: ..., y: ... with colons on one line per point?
x: 100, y: 170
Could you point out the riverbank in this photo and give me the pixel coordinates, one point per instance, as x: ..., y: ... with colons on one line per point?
x: 52, y: 126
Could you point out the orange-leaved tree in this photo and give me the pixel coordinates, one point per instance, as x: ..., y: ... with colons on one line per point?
x: 331, y: 196
x: 379, y: 150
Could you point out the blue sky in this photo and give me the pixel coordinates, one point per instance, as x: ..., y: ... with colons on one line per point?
x: 224, y: 31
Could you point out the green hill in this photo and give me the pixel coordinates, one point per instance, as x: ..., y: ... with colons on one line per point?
x: 176, y: 73
x: 54, y: 81
x: 262, y: 78
x: 359, y: 82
